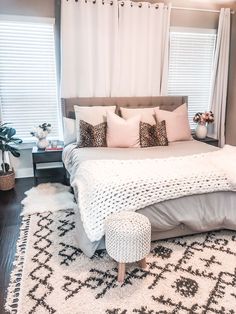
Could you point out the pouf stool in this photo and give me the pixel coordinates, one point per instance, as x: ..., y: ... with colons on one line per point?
x: 128, y: 239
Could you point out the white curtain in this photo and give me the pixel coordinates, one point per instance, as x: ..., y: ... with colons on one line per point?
x: 112, y: 48
x: 220, y: 77
x: 89, y: 33
x: 142, y: 54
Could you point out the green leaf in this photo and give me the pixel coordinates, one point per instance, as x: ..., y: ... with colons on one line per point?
x: 13, y: 150
x: 7, y: 138
x: 15, y: 153
x: 7, y: 166
x: 11, y: 132
x: 16, y: 140
x: 5, y: 131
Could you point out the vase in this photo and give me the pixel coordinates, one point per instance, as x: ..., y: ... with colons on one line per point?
x: 42, y: 143
x: 201, y: 131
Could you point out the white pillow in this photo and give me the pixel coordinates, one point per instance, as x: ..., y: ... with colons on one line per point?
x: 93, y: 115
x: 147, y: 114
x: 177, y: 123
x: 121, y: 132
x: 69, y: 128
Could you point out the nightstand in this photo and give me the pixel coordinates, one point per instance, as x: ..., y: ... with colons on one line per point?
x: 208, y: 140
x: 42, y: 157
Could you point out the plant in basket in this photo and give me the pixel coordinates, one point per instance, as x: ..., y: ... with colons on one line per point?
x: 8, y: 143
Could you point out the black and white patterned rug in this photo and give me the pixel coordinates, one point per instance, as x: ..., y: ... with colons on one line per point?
x: 190, y: 275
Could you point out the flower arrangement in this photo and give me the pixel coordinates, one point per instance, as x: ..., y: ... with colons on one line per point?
x: 203, y: 117
x: 42, y: 131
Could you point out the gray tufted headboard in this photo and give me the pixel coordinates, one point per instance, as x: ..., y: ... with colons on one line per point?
x: 165, y: 102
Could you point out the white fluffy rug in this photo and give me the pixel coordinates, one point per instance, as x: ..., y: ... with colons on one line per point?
x: 190, y: 275
x: 55, y: 196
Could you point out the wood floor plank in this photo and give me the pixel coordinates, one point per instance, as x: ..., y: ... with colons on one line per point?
x: 10, y: 221
x: 8, y: 239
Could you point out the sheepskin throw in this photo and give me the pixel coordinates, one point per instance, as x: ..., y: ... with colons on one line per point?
x: 113, y: 185
x: 55, y: 196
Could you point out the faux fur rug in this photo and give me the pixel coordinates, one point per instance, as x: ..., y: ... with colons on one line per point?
x: 55, y: 196
x: 190, y: 275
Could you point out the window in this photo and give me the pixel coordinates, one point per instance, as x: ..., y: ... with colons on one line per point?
x: 190, y: 67
x: 28, y: 82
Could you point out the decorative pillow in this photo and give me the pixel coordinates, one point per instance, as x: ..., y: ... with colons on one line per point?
x: 147, y: 114
x: 177, y: 123
x: 92, y: 136
x: 121, y: 132
x: 69, y: 130
x: 93, y: 115
x: 153, y: 135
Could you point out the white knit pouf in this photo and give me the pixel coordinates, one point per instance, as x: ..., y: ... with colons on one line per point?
x: 128, y: 239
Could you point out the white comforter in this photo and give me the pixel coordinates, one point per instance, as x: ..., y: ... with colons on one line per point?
x: 107, y: 186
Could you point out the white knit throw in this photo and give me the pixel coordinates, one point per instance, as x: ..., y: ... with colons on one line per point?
x: 108, y: 186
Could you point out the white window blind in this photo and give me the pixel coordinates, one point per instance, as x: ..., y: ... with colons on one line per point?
x: 190, y: 67
x: 28, y: 84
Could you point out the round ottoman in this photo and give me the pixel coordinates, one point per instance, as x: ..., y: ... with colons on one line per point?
x: 128, y: 239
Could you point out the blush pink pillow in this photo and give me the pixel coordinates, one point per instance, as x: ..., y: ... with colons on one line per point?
x: 147, y: 114
x: 121, y: 132
x: 177, y: 123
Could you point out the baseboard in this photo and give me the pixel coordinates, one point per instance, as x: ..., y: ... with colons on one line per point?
x: 24, y: 173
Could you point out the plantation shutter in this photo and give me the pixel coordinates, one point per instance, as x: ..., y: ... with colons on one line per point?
x: 28, y: 84
x: 190, y: 67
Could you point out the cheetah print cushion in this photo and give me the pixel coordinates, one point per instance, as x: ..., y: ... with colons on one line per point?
x: 153, y: 135
x: 92, y: 136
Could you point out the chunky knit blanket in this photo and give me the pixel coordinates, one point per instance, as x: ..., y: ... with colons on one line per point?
x: 108, y: 186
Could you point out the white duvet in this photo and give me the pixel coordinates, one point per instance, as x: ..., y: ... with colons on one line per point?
x: 107, y: 186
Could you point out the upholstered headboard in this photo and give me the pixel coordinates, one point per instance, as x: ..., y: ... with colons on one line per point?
x: 165, y: 102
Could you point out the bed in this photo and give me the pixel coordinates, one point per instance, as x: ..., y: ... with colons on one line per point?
x: 171, y: 218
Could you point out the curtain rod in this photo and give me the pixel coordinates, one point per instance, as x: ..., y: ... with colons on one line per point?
x: 173, y: 7
x: 198, y: 9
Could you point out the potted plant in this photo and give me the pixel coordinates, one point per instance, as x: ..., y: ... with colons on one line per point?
x: 8, y: 143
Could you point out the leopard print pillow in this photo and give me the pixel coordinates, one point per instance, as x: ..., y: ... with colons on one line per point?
x: 162, y: 133
x: 153, y: 135
x: 92, y: 136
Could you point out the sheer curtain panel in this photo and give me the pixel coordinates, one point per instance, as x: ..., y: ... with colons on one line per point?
x: 89, y: 31
x: 142, y: 55
x: 220, y: 77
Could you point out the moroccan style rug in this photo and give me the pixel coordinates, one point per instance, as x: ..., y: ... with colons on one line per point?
x: 190, y: 275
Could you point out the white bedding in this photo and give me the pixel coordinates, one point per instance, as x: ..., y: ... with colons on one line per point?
x: 72, y: 156
x: 186, y: 215
x: 108, y: 186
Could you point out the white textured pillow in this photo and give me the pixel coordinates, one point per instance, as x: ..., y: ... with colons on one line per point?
x: 147, y: 114
x: 121, y: 132
x: 177, y: 123
x: 69, y: 127
x: 93, y: 115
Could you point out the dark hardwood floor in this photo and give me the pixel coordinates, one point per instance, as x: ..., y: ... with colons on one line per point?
x: 10, y: 221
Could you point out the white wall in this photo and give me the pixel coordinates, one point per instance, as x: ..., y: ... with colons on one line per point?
x: 23, y: 165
